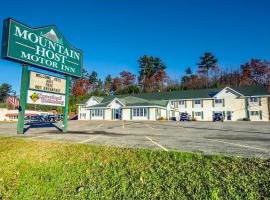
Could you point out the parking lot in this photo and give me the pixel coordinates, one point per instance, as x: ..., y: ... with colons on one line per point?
x: 247, y: 139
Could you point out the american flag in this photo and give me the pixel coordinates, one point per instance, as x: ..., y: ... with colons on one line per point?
x: 13, y: 101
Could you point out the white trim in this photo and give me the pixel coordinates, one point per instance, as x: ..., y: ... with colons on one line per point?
x: 95, y: 99
x: 230, y: 89
x: 117, y: 100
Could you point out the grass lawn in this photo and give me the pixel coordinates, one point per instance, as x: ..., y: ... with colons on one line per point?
x: 51, y: 170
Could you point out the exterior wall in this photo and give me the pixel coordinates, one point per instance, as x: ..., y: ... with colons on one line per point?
x: 126, y: 114
x: 152, y: 114
x: 261, y: 107
x: 108, y: 114
x: 163, y: 113
x: 83, y: 114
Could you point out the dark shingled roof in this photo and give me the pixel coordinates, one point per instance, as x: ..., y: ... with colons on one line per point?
x: 253, y: 90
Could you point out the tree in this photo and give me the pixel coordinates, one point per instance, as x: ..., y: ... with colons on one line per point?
x: 188, y: 71
x: 152, y: 73
x: 93, y: 77
x: 108, y: 84
x: 80, y: 87
x: 84, y: 73
x: 127, y: 78
x: 208, y: 62
x: 131, y: 89
x: 5, y: 91
x: 116, y: 84
x: 255, y: 71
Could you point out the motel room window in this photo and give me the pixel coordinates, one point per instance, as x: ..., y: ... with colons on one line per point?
x: 97, y: 112
x: 197, y: 102
x: 198, y: 114
x: 139, y: 112
x: 253, y: 99
x: 254, y: 113
x: 218, y: 101
x: 181, y: 103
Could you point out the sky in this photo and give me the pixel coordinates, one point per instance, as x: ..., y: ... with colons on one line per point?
x: 113, y: 34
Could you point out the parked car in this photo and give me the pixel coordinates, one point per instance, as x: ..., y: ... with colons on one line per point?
x: 60, y: 117
x: 218, y: 117
x: 51, y: 118
x: 184, y: 117
x: 37, y: 119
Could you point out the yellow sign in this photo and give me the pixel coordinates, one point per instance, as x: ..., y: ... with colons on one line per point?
x: 47, y: 83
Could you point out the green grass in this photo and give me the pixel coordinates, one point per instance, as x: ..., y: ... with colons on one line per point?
x: 51, y: 170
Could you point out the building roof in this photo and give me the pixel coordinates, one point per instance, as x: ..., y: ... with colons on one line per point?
x: 254, y: 90
x: 162, y: 98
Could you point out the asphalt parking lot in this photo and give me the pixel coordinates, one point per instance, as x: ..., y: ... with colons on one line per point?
x: 247, y: 139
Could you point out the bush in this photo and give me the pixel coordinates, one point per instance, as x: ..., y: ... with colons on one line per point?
x: 162, y: 119
x: 246, y: 119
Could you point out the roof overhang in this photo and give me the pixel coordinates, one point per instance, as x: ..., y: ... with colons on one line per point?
x: 230, y: 89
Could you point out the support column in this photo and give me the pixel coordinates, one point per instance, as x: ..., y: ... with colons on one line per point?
x: 23, y: 98
x: 65, y: 119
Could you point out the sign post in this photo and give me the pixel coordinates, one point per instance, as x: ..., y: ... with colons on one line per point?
x: 23, y: 95
x: 65, y: 117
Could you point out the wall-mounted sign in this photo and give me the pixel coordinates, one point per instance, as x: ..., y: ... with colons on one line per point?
x: 47, y: 83
x: 44, y: 47
x: 44, y: 98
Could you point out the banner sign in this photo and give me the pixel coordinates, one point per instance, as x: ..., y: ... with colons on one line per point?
x: 47, y: 83
x: 43, y: 47
x: 44, y: 98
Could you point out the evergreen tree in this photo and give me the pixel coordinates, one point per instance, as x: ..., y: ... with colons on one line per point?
x: 207, y: 62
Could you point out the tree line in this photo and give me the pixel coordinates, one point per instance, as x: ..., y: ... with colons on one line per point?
x: 152, y: 77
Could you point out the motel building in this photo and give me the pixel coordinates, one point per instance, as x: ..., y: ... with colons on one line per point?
x: 236, y: 104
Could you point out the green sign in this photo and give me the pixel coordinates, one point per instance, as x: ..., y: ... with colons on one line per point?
x: 43, y: 47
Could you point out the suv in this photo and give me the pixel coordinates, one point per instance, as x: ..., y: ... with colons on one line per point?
x: 184, y: 117
x: 218, y: 117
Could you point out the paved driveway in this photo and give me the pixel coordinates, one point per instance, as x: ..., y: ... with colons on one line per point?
x: 248, y: 139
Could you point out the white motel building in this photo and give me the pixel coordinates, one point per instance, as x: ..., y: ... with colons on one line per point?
x: 236, y: 104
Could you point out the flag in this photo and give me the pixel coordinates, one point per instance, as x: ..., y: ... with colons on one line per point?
x: 13, y: 101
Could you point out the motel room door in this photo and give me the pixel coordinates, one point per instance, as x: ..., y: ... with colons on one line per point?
x: 117, y: 114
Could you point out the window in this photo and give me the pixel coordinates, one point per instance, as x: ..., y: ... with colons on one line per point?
x: 253, y: 99
x: 196, y: 102
x: 182, y: 102
x: 139, y: 112
x: 218, y: 101
x: 198, y: 114
x: 254, y: 113
x: 97, y: 113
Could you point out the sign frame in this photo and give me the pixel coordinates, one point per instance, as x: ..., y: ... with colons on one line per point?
x: 5, y: 47
x: 30, y: 88
x: 45, y: 93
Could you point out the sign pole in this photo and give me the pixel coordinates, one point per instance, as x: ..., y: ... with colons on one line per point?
x: 23, y: 98
x: 65, y: 118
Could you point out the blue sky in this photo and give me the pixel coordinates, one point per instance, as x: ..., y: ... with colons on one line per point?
x: 114, y: 33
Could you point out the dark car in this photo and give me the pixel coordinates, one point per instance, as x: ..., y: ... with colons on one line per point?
x: 37, y: 119
x: 184, y: 117
x: 60, y: 117
x: 218, y: 117
x: 51, y: 118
